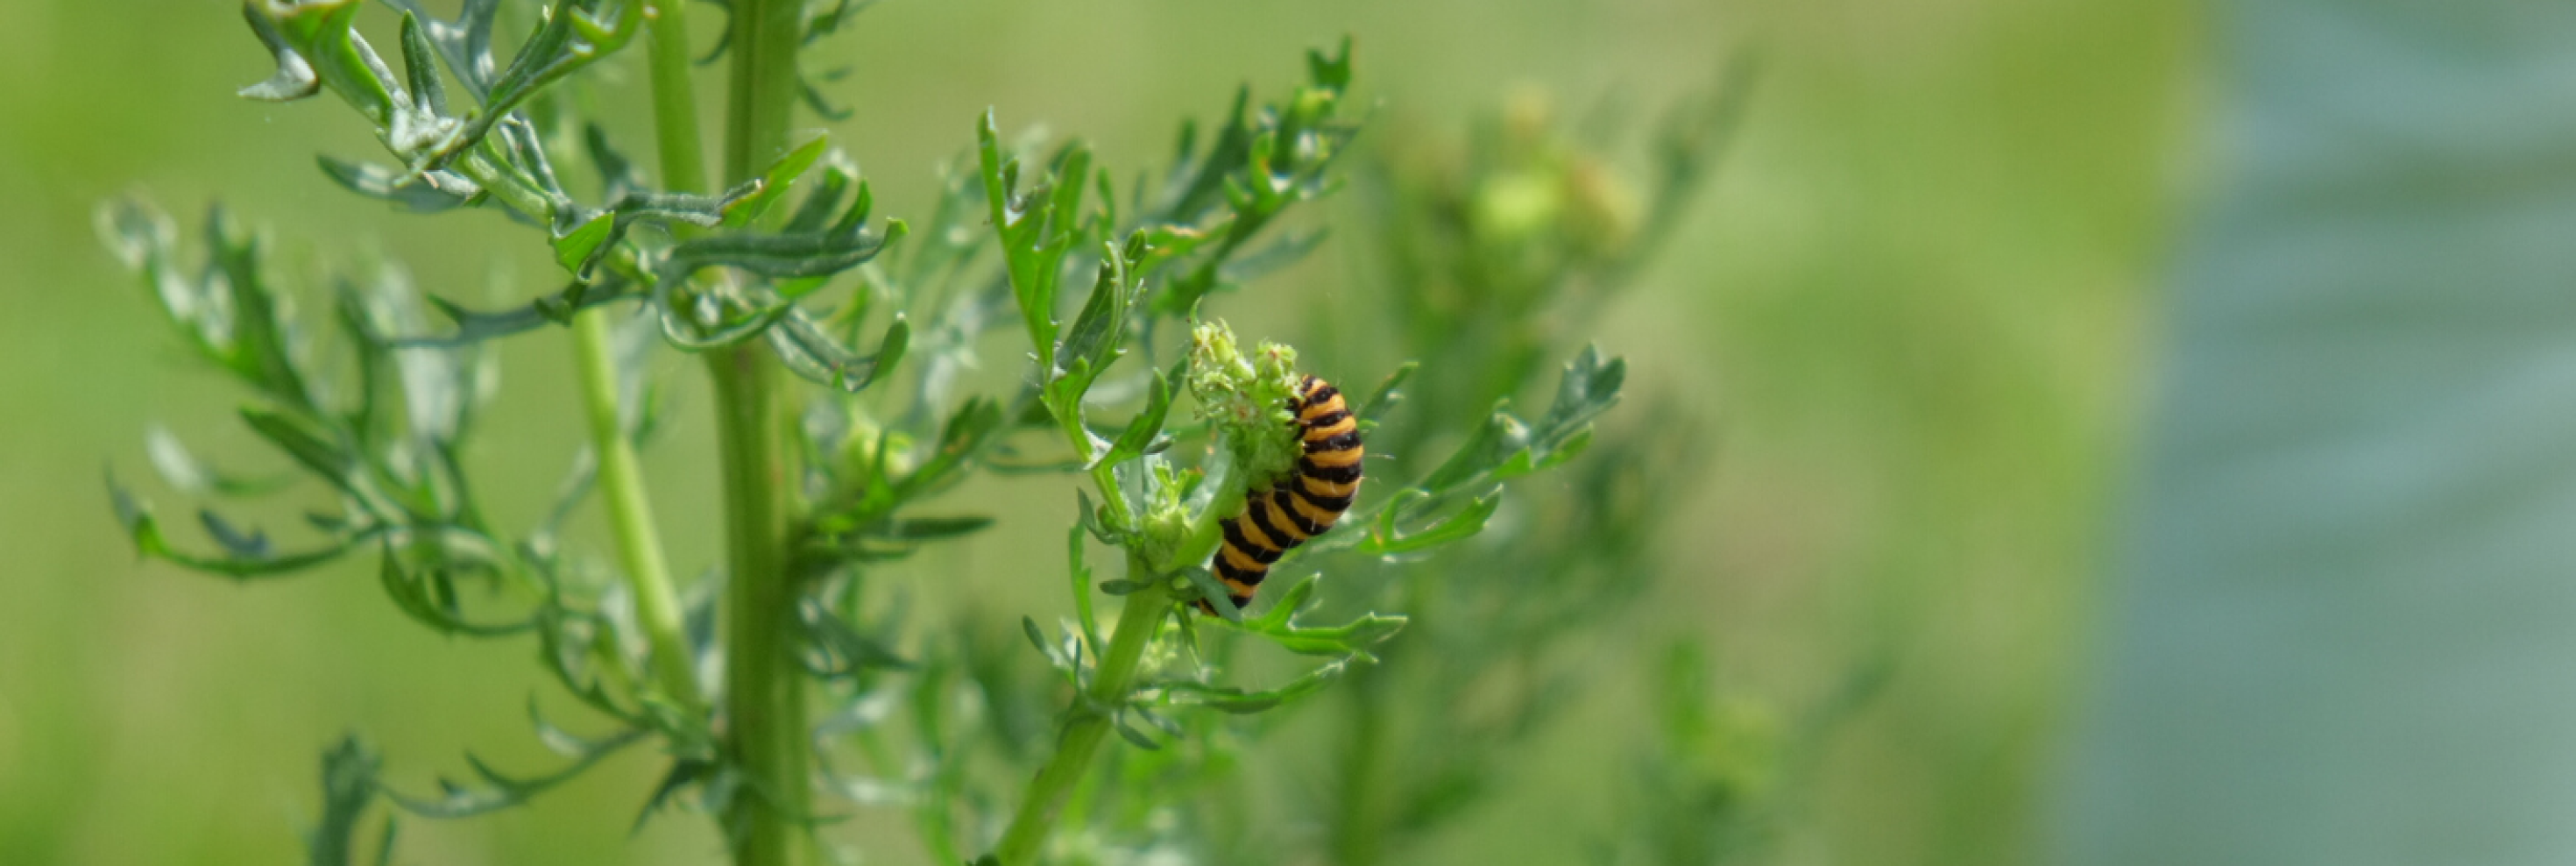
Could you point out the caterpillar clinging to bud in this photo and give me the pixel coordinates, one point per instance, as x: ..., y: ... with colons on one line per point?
x: 1301, y: 506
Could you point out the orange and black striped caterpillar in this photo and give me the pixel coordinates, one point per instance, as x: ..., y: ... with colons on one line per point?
x: 1300, y: 506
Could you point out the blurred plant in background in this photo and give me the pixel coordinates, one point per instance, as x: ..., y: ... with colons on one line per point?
x: 795, y: 666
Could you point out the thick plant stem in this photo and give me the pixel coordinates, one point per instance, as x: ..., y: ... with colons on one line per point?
x: 765, y: 84
x: 675, y: 102
x: 765, y: 709
x: 1089, y: 722
x: 630, y: 512
x: 764, y: 686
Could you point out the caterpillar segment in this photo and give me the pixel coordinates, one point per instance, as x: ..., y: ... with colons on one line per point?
x: 1301, y: 506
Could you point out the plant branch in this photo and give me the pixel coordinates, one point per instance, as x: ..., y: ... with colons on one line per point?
x: 630, y: 511
x: 1088, y: 722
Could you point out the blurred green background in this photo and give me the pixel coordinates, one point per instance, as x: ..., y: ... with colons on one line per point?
x: 1911, y: 304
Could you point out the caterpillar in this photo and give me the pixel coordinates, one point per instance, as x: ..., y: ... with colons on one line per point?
x: 1301, y: 506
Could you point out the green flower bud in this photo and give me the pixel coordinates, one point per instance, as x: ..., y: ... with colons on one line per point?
x: 1245, y: 399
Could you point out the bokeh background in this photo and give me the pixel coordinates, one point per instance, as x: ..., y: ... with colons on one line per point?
x: 1913, y: 304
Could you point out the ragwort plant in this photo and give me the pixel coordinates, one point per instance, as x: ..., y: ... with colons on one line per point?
x: 779, y: 691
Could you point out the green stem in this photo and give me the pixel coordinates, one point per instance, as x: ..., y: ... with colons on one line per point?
x: 764, y: 689
x: 621, y: 478
x: 675, y: 104
x: 764, y: 683
x: 1090, y: 720
x: 1105, y: 477
x: 630, y: 511
x: 503, y: 186
x: 1358, y: 837
x: 765, y: 84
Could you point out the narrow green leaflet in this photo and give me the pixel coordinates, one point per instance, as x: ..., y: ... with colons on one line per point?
x: 1280, y: 626
x: 1385, y: 539
x: 145, y: 532
x: 500, y: 791
x: 1240, y: 701
x: 1141, y: 430
x: 349, y: 786
x: 774, y: 182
